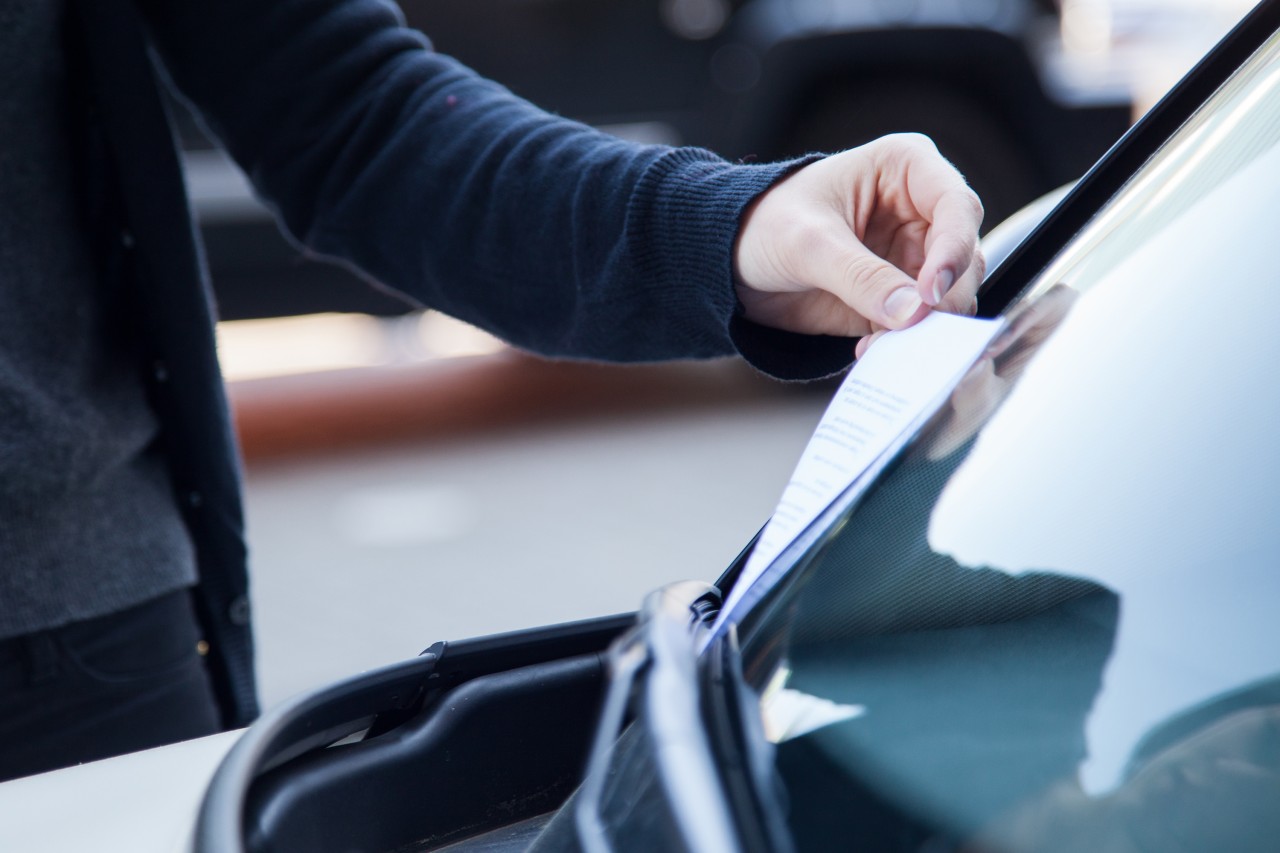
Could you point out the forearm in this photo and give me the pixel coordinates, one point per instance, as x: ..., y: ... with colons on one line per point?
x: 448, y: 188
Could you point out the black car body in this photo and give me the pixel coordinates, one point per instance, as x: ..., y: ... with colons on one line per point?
x: 1046, y: 624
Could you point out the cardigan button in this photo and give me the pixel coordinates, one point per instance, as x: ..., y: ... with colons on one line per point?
x: 238, y: 611
x: 195, y: 500
x: 160, y: 371
x: 126, y: 238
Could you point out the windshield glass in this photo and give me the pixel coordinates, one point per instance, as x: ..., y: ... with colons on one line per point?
x: 1051, y: 624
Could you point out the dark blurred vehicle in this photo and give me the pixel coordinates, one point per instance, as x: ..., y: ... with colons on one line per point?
x: 1046, y: 623
x: 764, y: 79
x: 749, y: 79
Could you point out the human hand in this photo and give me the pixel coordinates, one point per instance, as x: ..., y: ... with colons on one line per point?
x: 862, y: 241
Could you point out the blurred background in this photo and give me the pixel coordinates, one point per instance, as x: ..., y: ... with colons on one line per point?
x: 411, y: 479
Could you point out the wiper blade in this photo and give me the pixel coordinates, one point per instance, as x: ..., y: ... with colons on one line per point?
x: 744, y: 754
x: 662, y: 649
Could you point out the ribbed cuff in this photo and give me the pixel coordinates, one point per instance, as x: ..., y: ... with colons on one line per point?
x: 685, y: 218
x: 790, y: 355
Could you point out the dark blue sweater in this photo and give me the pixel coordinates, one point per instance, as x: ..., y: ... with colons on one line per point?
x: 378, y: 152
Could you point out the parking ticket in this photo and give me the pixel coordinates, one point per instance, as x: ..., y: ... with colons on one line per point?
x: 891, y: 389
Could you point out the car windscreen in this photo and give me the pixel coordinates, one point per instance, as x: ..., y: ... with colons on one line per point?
x: 1051, y: 623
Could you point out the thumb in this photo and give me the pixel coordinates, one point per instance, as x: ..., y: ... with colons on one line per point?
x: 870, y: 285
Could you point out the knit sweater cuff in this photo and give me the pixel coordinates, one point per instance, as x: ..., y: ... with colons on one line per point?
x: 685, y: 226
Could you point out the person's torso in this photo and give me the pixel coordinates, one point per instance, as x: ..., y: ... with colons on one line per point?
x: 87, y: 520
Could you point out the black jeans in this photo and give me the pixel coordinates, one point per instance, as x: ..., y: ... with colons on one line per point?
x: 102, y: 687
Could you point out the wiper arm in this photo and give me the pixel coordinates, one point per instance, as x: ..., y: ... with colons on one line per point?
x: 662, y: 649
x: 745, y: 757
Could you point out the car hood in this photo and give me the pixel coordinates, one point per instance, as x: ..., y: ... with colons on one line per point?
x: 145, y: 802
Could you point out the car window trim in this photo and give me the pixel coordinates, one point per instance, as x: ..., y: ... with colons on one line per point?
x: 1125, y: 158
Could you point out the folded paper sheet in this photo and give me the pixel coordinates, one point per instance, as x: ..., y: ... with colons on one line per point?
x: 891, y: 390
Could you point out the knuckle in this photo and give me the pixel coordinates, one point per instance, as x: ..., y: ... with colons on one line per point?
x: 904, y: 146
x: 862, y: 273
x: 974, y: 203
x: 915, y: 140
x: 867, y: 278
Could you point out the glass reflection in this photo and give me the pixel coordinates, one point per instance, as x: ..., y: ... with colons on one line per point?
x: 942, y: 658
x: 1054, y: 614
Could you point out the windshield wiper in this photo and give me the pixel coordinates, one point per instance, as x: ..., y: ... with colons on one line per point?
x: 692, y: 750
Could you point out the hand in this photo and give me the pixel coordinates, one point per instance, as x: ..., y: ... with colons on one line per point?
x: 862, y: 241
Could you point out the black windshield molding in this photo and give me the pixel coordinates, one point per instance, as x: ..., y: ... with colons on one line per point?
x: 1012, y: 277
x: 726, y: 581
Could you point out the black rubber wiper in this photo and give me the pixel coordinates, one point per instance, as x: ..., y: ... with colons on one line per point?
x: 744, y: 756
x: 656, y: 664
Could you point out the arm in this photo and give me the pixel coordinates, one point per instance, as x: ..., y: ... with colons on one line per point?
x: 442, y: 185
x: 377, y: 151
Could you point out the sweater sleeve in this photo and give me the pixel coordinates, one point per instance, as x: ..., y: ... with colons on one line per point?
x: 377, y: 151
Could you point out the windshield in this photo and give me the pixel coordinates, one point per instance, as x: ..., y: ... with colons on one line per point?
x: 1051, y: 624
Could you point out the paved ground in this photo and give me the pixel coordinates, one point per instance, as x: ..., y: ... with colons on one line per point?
x: 367, y: 557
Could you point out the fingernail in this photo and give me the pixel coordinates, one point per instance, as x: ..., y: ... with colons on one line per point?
x: 901, y: 304
x: 942, y: 282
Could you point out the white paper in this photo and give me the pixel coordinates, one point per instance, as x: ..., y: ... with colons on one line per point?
x: 899, y: 381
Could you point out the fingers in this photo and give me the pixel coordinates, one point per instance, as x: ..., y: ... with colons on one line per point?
x: 951, y: 248
x: 953, y: 267
x: 869, y: 239
x: 866, y: 342
x: 962, y: 298
x: 941, y: 197
x: 880, y: 295
x: 875, y: 290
